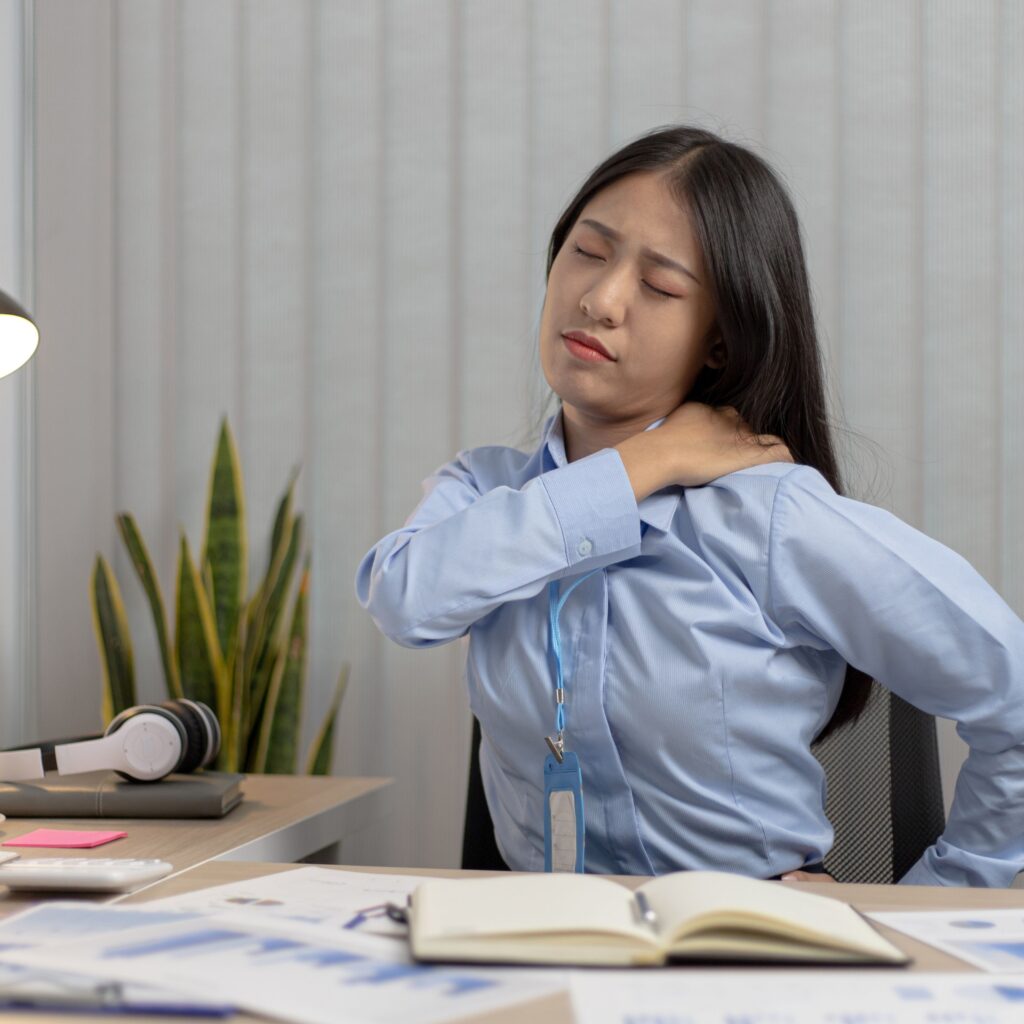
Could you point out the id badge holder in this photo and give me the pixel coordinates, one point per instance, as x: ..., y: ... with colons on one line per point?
x: 563, y: 814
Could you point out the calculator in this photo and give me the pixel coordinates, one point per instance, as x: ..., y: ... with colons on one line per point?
x: 82, y: 874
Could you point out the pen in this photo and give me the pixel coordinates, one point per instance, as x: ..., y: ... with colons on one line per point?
x: 91, y: 1001
x: 46, y: 991
x: 643, y: 908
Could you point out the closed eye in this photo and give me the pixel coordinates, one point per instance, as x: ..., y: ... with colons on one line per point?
x: 589, y: 255
x: 668, y: 295
x: 592, y: 256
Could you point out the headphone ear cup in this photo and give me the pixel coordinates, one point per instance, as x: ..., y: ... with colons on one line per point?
x: 122, y: 716
x: 212, y: 730
x: 118, y: 722
x: 194, y: 750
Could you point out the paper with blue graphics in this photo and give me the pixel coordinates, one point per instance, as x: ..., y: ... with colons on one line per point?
x: 990, y: 939
x: 324, y: 901
x: 280, y: 970
x: 59, y: 923
x: 795, y: 997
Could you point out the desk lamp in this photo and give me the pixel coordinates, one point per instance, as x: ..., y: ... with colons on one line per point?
x: 18, y: 335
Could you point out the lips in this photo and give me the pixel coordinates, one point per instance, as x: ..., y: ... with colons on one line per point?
x: 581, y: 338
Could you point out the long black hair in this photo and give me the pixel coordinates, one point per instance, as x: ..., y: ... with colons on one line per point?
x: 749, y: 236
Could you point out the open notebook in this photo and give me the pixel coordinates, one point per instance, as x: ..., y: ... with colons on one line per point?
x: 689, y: 915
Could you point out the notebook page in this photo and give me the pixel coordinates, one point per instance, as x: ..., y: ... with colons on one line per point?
x: 684, y: 896
x: 525, y: 905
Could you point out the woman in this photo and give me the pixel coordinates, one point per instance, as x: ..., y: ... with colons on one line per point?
x: 731, y: 589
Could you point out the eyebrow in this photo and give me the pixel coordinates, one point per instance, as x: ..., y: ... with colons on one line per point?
x: 650, y: 254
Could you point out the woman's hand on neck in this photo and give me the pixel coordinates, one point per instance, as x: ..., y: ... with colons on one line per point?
x: 693, y: 446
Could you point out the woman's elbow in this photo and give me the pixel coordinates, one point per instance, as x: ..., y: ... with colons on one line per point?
x: 389, y: 608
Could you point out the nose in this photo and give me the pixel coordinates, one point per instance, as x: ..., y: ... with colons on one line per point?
x: 606, y: 299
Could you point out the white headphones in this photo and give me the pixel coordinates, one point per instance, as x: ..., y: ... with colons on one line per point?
x: 142, y: 744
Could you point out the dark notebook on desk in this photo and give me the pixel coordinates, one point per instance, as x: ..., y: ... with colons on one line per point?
x: 107, y: 795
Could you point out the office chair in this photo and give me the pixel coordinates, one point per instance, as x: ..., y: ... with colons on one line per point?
x: 884, y: 794
x: 884, y: 790
x: 479, y: 850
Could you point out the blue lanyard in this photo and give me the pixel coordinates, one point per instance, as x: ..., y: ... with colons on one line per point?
x: 554, y: 608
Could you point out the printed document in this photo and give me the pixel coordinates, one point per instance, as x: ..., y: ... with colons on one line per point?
x: 990, y: 939
x: 53, y: 988
x: 320, y: 899
x: 687, y: 996
x: 279, y: 969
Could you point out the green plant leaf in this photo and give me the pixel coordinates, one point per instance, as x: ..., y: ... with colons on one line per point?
x: 262, y: 644
x: 263, y: 640
x: 259, y: 687
x: 258, y: 758
x: 225, y: 549
x: 283, y: 515
x: 241, y: 684
x: 114, y: 640
x: 321, y: 751
x: 234, y: 757
x: 150, y: 584
x: 203, y: 673
x: 282, y: 717
x: 284, y: 548
x: 278, y: 595
x: 207, y: 577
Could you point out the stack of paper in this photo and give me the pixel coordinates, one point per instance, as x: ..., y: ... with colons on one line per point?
x: 306, y: 945
x: 55, y: 987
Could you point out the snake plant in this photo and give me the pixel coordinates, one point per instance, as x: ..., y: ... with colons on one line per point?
x: 243, y: 655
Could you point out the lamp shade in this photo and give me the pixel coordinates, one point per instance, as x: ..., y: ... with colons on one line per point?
x: 18, y: 335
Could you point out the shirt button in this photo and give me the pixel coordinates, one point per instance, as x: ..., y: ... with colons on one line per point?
x: 584, y: 547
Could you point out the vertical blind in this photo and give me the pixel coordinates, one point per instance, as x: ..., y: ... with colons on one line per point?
x: 328, y: 222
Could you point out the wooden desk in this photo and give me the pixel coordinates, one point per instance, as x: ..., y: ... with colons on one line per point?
x: 557, y: 1009
x: 281, y: 818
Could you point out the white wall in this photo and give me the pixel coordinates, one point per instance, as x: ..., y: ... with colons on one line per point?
x: 17, y: 704
x: 75, y: 309
x: 328, y: 220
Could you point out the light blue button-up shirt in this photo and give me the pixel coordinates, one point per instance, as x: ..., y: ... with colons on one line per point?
x: 703, y: 658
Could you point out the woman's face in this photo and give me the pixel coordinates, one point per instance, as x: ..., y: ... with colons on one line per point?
x: 630, y: 275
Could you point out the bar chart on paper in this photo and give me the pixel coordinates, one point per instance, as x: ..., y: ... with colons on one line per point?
x: 293, y: 976
x: 53, y: 987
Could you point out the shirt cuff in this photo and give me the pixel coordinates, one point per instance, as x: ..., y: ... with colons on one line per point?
x: 943, y: 864
x: 921, y: 874
x: 594, y: 502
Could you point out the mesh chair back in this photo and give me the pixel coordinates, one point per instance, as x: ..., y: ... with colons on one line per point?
x: 884, y: 790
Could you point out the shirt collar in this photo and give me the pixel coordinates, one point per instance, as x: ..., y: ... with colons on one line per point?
x: 656, y: 509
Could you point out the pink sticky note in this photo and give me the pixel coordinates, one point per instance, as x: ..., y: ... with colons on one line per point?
x: 64, y: 838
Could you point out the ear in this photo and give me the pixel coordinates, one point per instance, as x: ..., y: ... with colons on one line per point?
x: 716, y: 353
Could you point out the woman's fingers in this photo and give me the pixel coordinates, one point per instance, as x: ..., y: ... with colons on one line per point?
x: 698, y: 443
x: 775, y: 448
x: 764, y: 448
